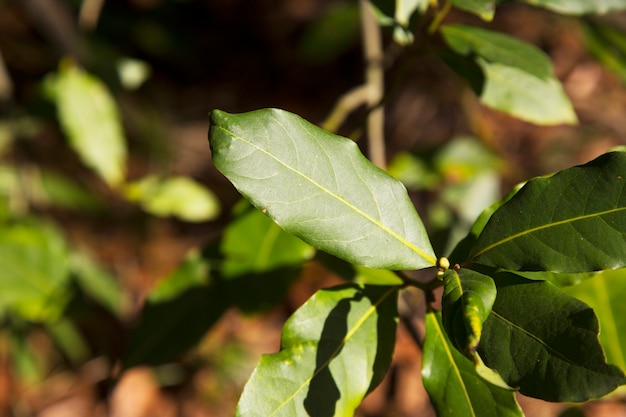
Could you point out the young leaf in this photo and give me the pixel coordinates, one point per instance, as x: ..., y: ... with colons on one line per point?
x: 454, y: 387
x: 485, y: 9
x: 90, y: 119
x: 545, y: 342
x: 605, y: 294
x: 518, y: 77
x: 573, y: 221
x: 577, y: 7
x: 467, y: 300
x: 334, y: 350
x: 319, y: 187
x: 398, y: 13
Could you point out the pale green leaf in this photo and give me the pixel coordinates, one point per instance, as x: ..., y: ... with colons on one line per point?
x: 454, y: 387
x: 320, y: 187
x: 577, y: 7
x: 485, y: 9
x: 90, y: 119
x: 334, y: 350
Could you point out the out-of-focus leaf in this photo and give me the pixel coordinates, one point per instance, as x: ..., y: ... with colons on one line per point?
x: 35, y: 271
x: 454, y: 387
x: 412, y: 171
x: 545, y: 342
x: 97, y: 283
x: 518, y: 77
x: 398, y: 13
x: 331, y: 35
x: 253, y: 243
x: 369, y: 276
x: 90, y: 119
x: 608, y: 45
x: 577, y: 7
x: 133, y: 72
x: 334, y: 350
x: 573, y: 221
x: 177, y: 196
x: 485, y: 9
x: 604, y: 292
x: 466, y: 304
x: 60, y: 191
x: 319, y: 187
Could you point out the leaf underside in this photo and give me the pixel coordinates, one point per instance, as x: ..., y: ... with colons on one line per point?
x: 319, y: 187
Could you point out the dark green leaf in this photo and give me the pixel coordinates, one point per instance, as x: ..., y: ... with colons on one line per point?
x: 574, y: 221
x: 319, y: 187
x: 545, y: 343
x: 580, y: 6
x: 454, y: 387
x: 485, y: 9
x: 466, y: 304
x: 604, y: 292
x: 334, y: 350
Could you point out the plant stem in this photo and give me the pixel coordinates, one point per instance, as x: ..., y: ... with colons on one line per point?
x: 441, y: 14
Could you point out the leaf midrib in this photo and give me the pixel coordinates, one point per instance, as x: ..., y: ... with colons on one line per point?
x: 392, y: 233
x: 543, y: 227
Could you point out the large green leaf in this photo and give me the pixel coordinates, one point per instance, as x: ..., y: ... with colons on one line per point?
x: 334, y: 350
x: 580, y: 6
x: 518, y: 77
x: 573, y: 221
x: 319, y: 187
x: 604, y: 292
x: 545, y: 342
x: 90, y: 119
x: 485, y: 9
x: 454, y: 387
x: 466, y: 304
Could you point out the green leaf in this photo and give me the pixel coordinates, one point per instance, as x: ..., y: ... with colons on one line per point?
x: 577, y: 7
x: 466, y: 304
x: 573, y: 221
x: 177, y: 196
x: 605, y: 294
x: 518, y: 77
x: 319, y: 187
x: 398, y: 13
x: 90, y: 119
x: 334, y: 350
x: 545, y: 343
x: 253, y: 243
x: 98, y: 283
x: 607, y: 44
x: 454, y: 387
x: 35, y: 271
x: 485, y: 9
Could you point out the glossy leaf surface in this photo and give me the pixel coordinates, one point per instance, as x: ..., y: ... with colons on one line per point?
x: 573, y: 221
x: 320, y: 187
x: 467, y: 300
x: 580, y: 6
x: 90, y: 119
x: 454, y: 387
x: 485, y: 9
x: 334, y: 350
x: 518, y: 77
x: 545, y: 343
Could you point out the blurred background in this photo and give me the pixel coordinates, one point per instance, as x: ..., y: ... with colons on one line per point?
x: 107, y: 189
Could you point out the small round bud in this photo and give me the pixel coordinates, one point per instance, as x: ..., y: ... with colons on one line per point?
x: 443, y: 263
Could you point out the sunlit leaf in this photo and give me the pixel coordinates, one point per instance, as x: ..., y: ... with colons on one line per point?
x: 518, y: 77
x: 580, y: 6
x: 177, y: 196
x: 319, y: 187
x: 573, y: 221
x: 334, y: 350
x: 545, y: 343
x: 485, y: 9
x: 454, y: 387
x: 466, y: 304
x: 90, y: 119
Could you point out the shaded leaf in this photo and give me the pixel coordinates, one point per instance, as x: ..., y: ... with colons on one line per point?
x: 573, y: 221
x: 605, y: 294
x: 177, y: 196
x: 319, y: 187
x: 484, y: 9
x: 607, y: 44
x: 580, y: 6
x: 90, y: 119
x: 545, y: 343
x: 518, y: 77
x: 466, y: 304
x: 454, y: 387
x: 334, y: 350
